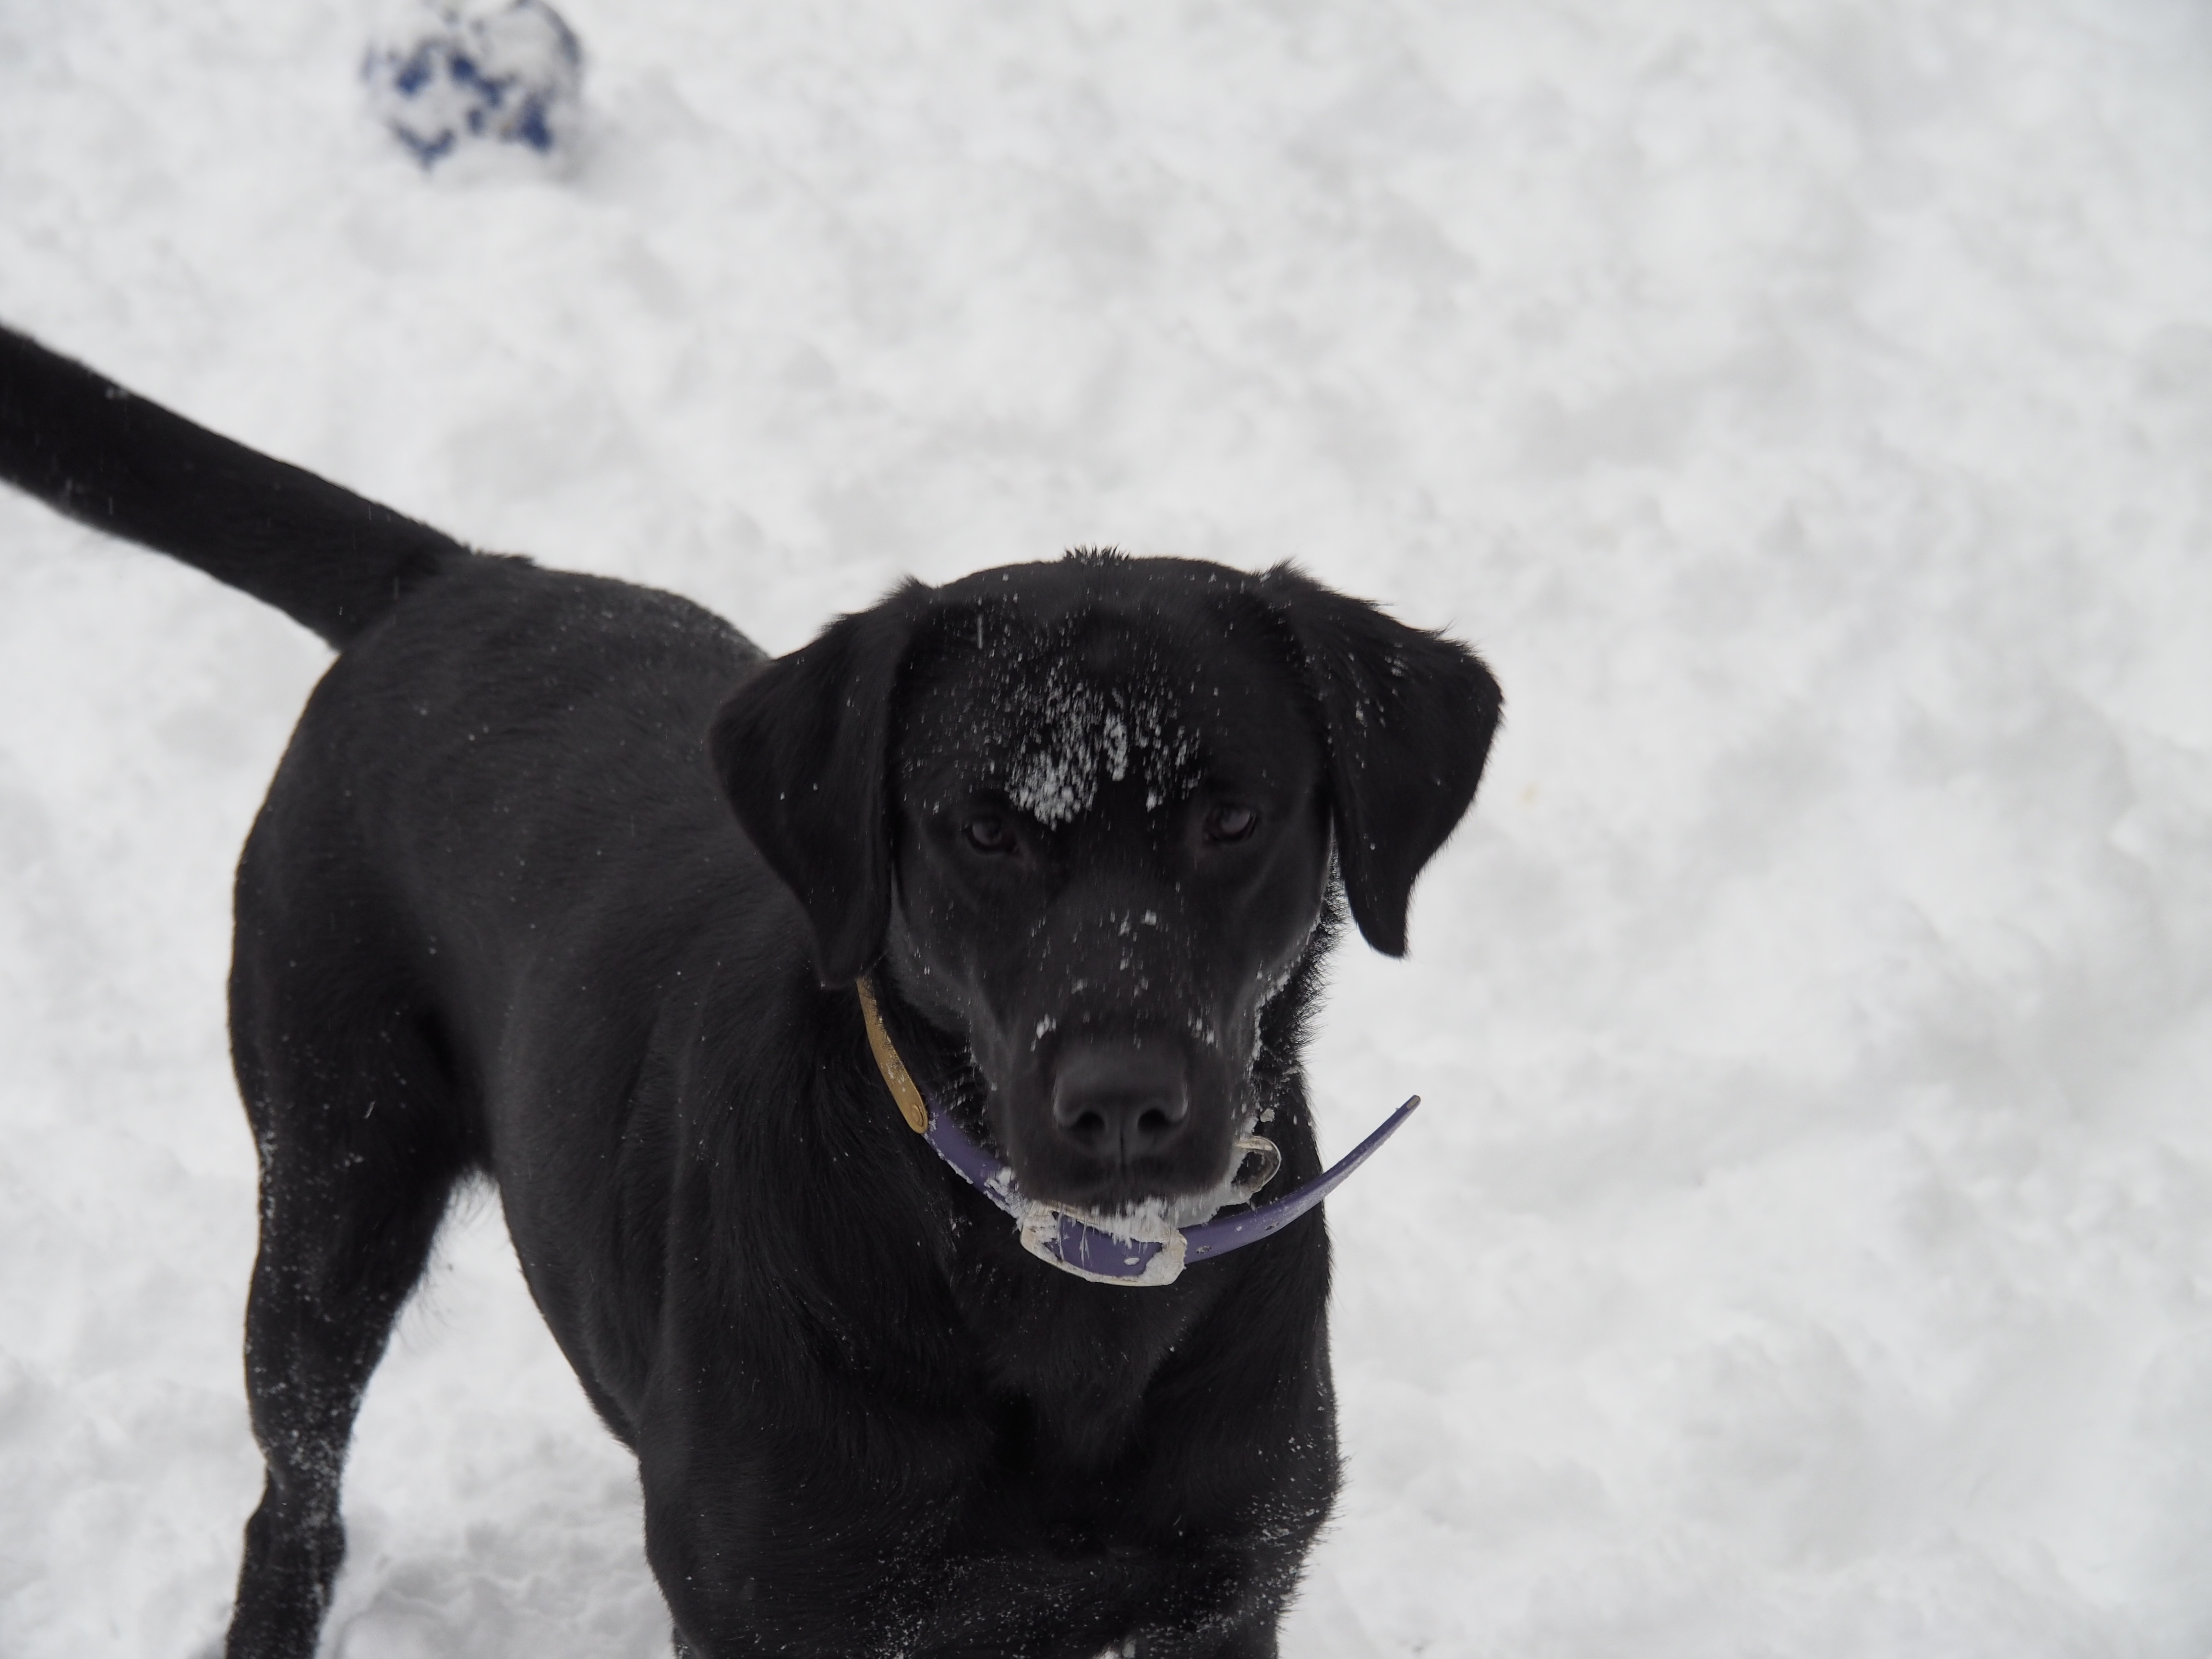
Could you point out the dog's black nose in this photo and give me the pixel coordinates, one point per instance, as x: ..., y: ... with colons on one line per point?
x: 1119, y: 1102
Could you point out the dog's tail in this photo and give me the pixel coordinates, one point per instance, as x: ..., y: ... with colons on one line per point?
x: 323, y: 555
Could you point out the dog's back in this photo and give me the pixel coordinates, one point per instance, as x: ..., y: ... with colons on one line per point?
x: 505, y: 769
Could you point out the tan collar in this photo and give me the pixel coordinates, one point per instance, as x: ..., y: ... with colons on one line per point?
x: 896, y: 1077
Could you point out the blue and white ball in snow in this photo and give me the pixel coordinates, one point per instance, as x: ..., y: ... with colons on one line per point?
x: 447, y: 75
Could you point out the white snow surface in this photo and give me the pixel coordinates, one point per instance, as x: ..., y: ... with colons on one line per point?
x: 1805, y: 404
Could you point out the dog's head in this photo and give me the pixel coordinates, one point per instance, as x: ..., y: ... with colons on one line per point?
x: 1084, y: 812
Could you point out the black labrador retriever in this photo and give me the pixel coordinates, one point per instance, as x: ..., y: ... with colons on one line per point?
x: 561, y: 880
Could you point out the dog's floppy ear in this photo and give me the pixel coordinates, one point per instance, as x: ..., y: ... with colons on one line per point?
x: 801, y: 751
x: 1408, y: 716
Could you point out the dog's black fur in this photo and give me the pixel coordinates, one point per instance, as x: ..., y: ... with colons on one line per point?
x: 1083, y: 821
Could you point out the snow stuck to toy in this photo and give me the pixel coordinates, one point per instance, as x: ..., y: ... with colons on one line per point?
x: 447, y: 75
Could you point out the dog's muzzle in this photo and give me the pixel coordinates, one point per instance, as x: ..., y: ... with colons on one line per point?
x: 1144, y: 1246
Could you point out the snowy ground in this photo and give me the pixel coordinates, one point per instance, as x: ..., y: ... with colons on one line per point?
x: 1807, y: 405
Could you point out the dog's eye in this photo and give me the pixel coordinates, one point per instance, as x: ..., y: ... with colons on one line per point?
x: 1226, y: 824
x: 989, y: 835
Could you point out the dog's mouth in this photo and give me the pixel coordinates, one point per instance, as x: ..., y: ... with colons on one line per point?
x: 1124, y: 1198
x: 1256, y: 1160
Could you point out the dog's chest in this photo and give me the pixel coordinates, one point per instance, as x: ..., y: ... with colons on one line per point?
x: 1065, y: 1368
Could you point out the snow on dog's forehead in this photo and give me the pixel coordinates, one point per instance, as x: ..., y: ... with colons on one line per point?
x: 1050, y: 710
x: 1064, y: 726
